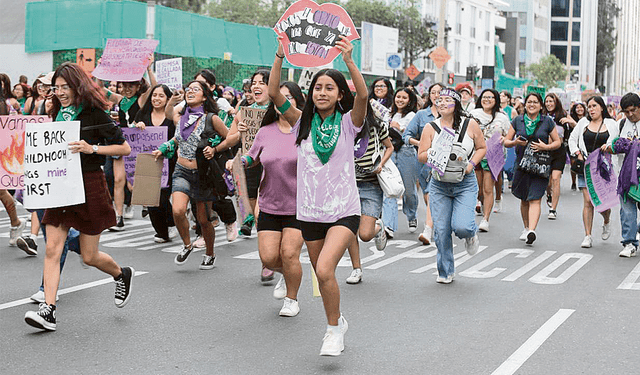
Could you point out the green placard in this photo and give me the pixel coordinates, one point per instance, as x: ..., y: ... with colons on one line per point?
x: 537, y: 89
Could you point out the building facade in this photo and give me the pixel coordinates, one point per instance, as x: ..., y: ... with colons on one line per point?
x: 623, y: 76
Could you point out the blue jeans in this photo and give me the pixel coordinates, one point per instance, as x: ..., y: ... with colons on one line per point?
x: 71, y: 243
x: 406, y: 160
x: 452, y: 209
x: 629, y: 221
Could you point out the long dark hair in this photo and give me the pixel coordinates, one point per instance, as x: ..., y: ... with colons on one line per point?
x: 147, y: 108
x: 496, y: 102
x: 209, y: 105
x: 272, y: 115
x: 143, y: 86
x: 6, y: 86
x: 574, y: 114
x: 85, y: 90
x: 412, y: 106
x: 428, y: 102
x: 558, y: 112
x: 600, y: 102
x: 343, y: 106
x: 539, y: 99
x: 387, y: 101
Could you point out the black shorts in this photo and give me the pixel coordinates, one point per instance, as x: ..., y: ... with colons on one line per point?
x: 276, y: 223
x: 253, y: 175
x: 559, y: 158
x: 318, y: 231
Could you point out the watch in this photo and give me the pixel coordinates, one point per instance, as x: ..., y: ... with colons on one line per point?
x: 95, y: 149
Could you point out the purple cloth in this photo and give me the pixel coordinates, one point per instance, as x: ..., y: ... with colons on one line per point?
x: 189, y: 119
x: 361, y: 147
x: 629, y: 171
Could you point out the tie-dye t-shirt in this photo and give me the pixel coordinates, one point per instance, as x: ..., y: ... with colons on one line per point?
x: 327, y: 193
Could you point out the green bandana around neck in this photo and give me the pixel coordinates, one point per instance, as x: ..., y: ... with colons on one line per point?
x: 69, y: 113
x: 529, y: 124
x: 325, y: 134
x: 256, y: 105
x: 126, y: 103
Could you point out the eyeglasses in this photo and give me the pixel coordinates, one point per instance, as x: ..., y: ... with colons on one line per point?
x: 380, y: 86
x: 55, y: 89
x: 488, y: 98
x: 43, y: 86
x: 194, y: 89
x: 533, y: 102
x: 289, y: 97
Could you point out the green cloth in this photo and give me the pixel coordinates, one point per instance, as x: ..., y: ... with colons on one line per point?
x: 325, y: 134
x: 226, y: 118
x: 509, y: 111
x: 168, y: 149
x: 69, y: 113
x: 126, y: 103
x: 256, y: 105
x: 21, y: 101
x: 530, y: 125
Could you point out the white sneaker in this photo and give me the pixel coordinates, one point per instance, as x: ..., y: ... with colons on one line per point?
x: 497, y: 206
x: 445, y: 280
x: 381, y: 237
x: 232, y: 231
x: 606, y: 231
x: 355, y: 277
x: 333, y: 342
x: 552, y: 215
x: 199, y: 243
x: 472, y: 244
x: 16, y: 232
x: 39, y: 297
x: 173, y: 232
x: 280, y: 291
x: 628, y: 251
x: 587, y: 242
x: 425, y: 236
x: 484, y: 225
x: 128, y: 212
x: 290, y: 307
x: 523, y: 235
x: 389, y: 232
x: 531, y: 237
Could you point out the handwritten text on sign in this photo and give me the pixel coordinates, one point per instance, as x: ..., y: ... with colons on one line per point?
x: 144, y: 142
x: 252, y: 117
x: 52, y: 174
x: 169, y: 72
x: 311, y: 32
x: 438, y: 155
x: 12, y: 149
x: 125, y: 59
x: 603, y: 193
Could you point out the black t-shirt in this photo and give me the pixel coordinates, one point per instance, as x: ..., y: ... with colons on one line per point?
x: 127, y: 118
x: 591, y: 137
x: 97, y: 128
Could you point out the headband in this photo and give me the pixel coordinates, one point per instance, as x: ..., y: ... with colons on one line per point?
x: 450, y: 93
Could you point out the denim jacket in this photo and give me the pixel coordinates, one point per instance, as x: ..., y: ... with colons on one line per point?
x: 416, y: 125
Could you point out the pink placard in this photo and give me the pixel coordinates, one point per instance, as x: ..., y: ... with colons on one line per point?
x: 495, y: 155
x: 125, y: 59
x: 12, y: 149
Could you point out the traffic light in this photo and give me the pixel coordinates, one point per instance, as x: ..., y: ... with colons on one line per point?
x: 470, y: 73
x: 451, y: 77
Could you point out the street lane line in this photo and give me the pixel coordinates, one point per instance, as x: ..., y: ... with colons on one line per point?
x: 630, y: 281
x: 529, y: 266
x: 524, y: 352
x: 76, y: 288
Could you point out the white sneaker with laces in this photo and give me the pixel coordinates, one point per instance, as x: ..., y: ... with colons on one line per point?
x: 280, y: 291
x: 128, y: 212
x: 39, y: 297
x: 333, y: 341
x: 445, y: 280
x: 628, y: 251
x: 523, y: 235
x: 15, y: 232
x: 355, y: 277
x: 606, y: 231
x: 472, y: 244
x: 497, y: 206
x: 232, y: 231
x: 484, y: 225
x: 173, y: 232
x: 289, y: 308
x: 425, y: 236
x: 587, y: 242
x: 381, y: 237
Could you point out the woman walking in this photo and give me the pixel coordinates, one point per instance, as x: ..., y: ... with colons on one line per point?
x: 553, y: 108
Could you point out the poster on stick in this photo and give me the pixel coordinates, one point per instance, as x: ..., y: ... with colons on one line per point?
x: 12, y: 149
x: 52, y: 173
x: 125, y: 59
x: 310, y: 32
x: 495, y: 155
x: 169, y: 72
x: 602, y: 193
x: 144, y: 142
x: 240, y: 184
x: 252, y: 117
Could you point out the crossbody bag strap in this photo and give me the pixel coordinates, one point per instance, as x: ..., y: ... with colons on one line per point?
x: 463, y: 130
x: 435, y: 127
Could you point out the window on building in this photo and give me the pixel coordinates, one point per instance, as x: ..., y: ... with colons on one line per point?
x: 575, y: 55
x: 522, y: 17
x: 487, y: 27
x: 458, y: 18
x: 560, y: 52
x: 540, y: 46
x: 559, y: 30
x: 560, y: 8
x: 473, y: 22
x: 575, y: 32
x: 577, y: 8
x: 523, y: 43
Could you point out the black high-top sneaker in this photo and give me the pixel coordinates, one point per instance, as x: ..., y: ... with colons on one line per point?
x: 123, y: 286
x: 44, y: 318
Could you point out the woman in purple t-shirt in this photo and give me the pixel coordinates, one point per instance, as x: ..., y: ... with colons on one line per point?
x: 327, y: 201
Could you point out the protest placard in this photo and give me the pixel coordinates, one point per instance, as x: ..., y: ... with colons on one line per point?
x: 423, y: 86
x: 252, y: 117
x: 310, y: 32
x: 12, y: 149
x: 169, y: 72
x: 148, y: 175
x: 537, y: 89
x: 495, y: 155
x: 440, y: 150
x: 518, y: 91
x: 52, y: 173
x: 305, y: 78
x: 240, y: 184
x: 144, y: 141
x: 565, y: 99
x: 602, y: 193
x: 125, y: 59
x: 86, y: 58
x: 614, y: 99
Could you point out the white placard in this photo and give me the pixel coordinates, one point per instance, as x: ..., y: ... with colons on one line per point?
x: 52, y: 174
x: 305, y: 78
x: 376, y: 42
x: 169, y: 72
x: 438, y: 155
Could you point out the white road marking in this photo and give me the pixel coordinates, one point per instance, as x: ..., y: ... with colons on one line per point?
x: 542, y: 277
x: 76, y: 288
x: 477, y: 273
x: 524, y: 352
x: 630, y: 281
x: 529, y: 266
x: 407, y: 254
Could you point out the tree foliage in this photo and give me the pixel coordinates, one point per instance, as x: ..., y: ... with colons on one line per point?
x: 548, y: 71
x: 606, y: 47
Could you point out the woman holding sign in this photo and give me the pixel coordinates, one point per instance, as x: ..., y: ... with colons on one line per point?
x: 77, y: 98
x: 327, y: 204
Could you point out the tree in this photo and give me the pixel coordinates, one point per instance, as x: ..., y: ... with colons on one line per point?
x: 606, y: 47
x: 548, y: 71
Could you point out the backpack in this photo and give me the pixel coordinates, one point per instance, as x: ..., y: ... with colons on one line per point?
x: 211, y: 172
x: 458, y: 158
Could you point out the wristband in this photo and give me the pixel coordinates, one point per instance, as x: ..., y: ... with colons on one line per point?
x: 472, y: 163
x: 284, y: 107
x: 246, y: 160
x: 278, y: 56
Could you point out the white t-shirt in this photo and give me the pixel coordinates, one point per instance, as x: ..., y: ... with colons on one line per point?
x: 403, y: 121
x: 499, y: 124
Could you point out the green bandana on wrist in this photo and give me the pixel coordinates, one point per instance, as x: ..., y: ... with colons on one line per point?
x: 69, y: 113
x: 325, y: 134
x: 126, y: 103
x: 529, y: 124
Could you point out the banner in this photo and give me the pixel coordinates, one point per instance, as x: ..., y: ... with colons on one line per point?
x: 602, y: 193
x: 125, y: 59
x: 144, y: 142
x: 169, y: 72
x: 12, y: 149
x: 52, y: 173
x: 495, y: 155
x: 252, y: 117
x: 310, y: 32
x: 440, y: 150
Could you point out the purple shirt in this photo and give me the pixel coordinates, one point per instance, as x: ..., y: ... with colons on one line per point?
x: 276, y: 151
x: 327, y: 193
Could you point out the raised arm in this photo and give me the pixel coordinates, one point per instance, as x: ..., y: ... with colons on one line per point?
x: 152, y: 79
x: 360, y: 102
x: 170, y: 111
x: 291, y: 114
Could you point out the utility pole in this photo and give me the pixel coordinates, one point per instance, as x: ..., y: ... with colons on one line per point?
x: 151, y: 19
x: 441, y: 34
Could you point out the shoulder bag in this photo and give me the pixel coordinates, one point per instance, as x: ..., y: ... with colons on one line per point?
x: 537, y: 163
x: 577, y: 165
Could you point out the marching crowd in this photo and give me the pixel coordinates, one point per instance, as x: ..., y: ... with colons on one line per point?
x: 327, y: 168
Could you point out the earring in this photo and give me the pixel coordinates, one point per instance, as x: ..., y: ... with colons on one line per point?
x: 340, y: 105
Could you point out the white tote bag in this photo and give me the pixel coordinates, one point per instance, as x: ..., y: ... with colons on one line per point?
x: 390, y: 180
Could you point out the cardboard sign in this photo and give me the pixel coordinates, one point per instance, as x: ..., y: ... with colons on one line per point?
x: 169, y: 72
x: 311, y: 31
x: 305, y: 78
x: 148, y: 176
x: 602, y: 193
x: 125, y: 59
x: 440, y: 150
x: 537, y: 89
x: 144, y: 141
x: 12, y: 149
x: 86, y: 58
x: 495, y: 155
x: 240, y: 184
x: 52, y: 173
x: 252, y: 117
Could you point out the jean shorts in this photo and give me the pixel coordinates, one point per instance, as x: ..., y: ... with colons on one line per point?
x: 371, y: 197
x: 185, y: 180
x: 424, y: 177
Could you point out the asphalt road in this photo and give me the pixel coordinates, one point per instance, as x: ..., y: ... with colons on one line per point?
x: 552, y: 308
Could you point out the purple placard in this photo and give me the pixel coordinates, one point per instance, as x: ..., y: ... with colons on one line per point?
x: 615, y: 99
x: 144, y: 142
x: 602, y: 193
x: 125, y: 59
x: 495, y: 155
